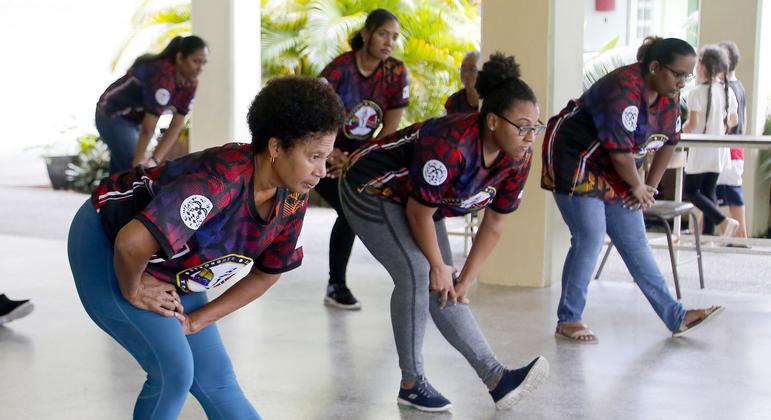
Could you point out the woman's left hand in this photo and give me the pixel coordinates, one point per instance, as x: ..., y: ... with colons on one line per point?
x: 461, y: 288
x: 186, y: 322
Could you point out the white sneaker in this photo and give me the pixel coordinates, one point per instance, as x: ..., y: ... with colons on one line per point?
x: 729, y: 227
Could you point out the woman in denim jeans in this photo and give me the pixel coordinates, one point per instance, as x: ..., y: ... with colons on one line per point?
x: 591, y: 155
x: 128, y: 111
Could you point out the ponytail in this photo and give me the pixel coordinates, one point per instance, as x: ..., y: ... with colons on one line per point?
x: 663, y: 50
x: 185, y: 45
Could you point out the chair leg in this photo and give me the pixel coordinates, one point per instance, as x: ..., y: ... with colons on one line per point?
x: 672, y: 256
x: 604, y: 260
x: 697, y: 237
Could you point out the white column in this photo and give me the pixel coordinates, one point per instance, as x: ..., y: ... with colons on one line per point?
x: 546, y: 37
x: 231, y: 28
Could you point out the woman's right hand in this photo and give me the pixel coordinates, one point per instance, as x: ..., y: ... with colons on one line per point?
x: 441, y: 281
x: 643, y: 196
x: 156, y: 296
x: 337, y: 160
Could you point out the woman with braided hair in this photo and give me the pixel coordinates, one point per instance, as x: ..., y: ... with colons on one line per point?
x: 712, y: 109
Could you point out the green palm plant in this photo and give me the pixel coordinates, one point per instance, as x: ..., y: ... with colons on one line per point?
x: 158, y: 24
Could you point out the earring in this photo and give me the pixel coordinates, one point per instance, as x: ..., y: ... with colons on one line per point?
x: 272, y: 160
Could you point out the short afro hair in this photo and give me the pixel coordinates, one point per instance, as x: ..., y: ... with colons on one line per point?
x: 291, y: 108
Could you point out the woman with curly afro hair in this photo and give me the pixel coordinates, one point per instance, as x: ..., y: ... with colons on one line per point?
x: 151, y: 241
x: 396, y: 193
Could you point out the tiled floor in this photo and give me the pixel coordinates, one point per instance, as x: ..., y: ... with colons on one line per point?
x: 297, y: 359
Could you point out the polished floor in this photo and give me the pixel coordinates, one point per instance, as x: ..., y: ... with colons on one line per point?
x: 297, y: 359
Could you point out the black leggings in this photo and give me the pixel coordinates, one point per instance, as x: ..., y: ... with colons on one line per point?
x: 700, y: 190
x: 342, y: 236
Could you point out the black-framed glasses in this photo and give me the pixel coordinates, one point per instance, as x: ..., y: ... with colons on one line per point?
x: 524, y: 130
x: 686, y: 77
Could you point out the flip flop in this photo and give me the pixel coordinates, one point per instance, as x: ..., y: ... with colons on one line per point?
x: 709, y: 313
x: 574, y: 330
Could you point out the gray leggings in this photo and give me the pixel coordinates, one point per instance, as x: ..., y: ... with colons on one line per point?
x: 382, y: 226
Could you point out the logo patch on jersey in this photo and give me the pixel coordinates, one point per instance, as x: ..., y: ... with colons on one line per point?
x: 434, y: 172
x: 653, y: 143
x: 678, y: 125
x: 406, y: 92
x: 162, y: 96
x: 194, y: 210
x: 363, y: 119
x: 294, y: 201
x: 215, y: 272
x: 479, y: 200
x: 629, y: 118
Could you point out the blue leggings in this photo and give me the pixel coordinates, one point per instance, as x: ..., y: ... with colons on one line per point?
x: 175, y: 364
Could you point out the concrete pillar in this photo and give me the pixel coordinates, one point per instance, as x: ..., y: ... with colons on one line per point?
x: 742, y: 21
x: 232, y: 77
x: 547, y: 39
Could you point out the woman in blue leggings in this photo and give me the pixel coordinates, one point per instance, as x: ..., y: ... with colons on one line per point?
x: 149, y: 243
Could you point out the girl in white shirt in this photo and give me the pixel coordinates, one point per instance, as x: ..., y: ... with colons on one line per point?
x: 711, y: 110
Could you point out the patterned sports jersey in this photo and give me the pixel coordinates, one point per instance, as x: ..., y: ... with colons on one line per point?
x: 200, y: 208
x: 147, y: 87
x: 457, y: 103
x: 439, y: 163
x: 612, y: 116
x: 366, y: 99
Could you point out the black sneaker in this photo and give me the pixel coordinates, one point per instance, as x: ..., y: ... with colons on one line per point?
x: 14, y: 309
x: 423, y: 397
x: 339, y: 296
x: 517, y: 383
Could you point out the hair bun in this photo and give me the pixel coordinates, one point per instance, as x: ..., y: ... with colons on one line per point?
x: 498, y: 70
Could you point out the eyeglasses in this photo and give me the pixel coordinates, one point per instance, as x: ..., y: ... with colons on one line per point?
x: 686, y: 77
x: 469, y: 70
x: 524, y: 130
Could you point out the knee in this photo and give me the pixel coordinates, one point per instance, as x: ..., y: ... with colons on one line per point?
x: 172, y: 377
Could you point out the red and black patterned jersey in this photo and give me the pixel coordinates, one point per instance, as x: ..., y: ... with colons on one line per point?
x: 457, y: 103
x: 612, y: 116
x: 151, y: 87
x: 366, y: 99
x: 440, y: 164
x: 201, y: 210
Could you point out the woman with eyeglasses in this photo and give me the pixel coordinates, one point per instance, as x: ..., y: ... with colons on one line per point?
x: 591, y: 155
x: 396, y: 193
x: 374, y: 89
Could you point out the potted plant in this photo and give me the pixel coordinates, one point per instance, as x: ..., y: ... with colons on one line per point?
x: 89, y: 166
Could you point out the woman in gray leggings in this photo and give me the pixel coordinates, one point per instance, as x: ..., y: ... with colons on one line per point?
x: 396, y: 193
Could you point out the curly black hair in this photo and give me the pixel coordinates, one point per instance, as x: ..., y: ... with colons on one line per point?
x: 291, y: 108
x: 498, y: 83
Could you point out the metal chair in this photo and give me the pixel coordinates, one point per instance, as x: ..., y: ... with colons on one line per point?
x: 664, y: 211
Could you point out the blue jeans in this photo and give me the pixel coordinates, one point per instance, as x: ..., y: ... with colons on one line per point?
x: 588, y: 219
x: 121, y: 136
x: 175, y: 364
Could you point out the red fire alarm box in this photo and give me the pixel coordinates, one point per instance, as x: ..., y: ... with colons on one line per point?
x: 604, y: 5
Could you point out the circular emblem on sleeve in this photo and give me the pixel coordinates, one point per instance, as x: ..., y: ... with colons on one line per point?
x: 629, y: 117
x: 678, y: 125
x: 434, y: 172
x: 362, y: 121
x: 194, y: 210
x: 162, y: 96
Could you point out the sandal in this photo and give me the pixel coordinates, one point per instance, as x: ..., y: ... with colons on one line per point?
x: 709, y: 313
x: 577, y: 332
